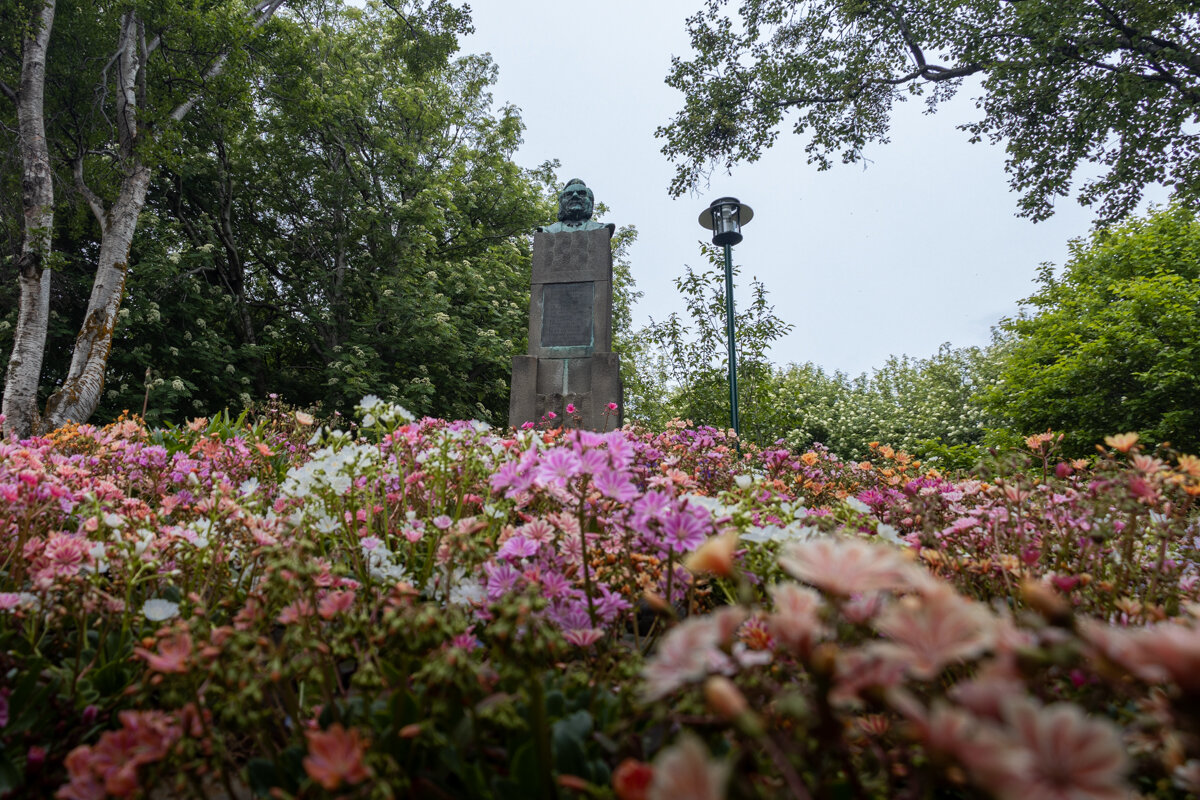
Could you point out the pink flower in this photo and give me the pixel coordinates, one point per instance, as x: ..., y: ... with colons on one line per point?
x: 335, y: 756
x: 935, y: 630
x: 334, y: 603
x: 557, y: 467
x: 849, y: 566
x: 1155, y: 654
x: 570, y: 408
x: 295, y: 611
x: 612, y: 406
x: 686, y: 770
x: 518, y: 547
x: 691, y: 651
x: 172, y: 656
x: 796, y: 623
x: 1069, y: 755
x: 583, y: 637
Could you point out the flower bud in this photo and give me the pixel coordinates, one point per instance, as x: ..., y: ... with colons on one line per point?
x: 724, y: 697
x: 715, y: 555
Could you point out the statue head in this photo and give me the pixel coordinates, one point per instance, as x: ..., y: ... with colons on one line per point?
x: 575, y: 202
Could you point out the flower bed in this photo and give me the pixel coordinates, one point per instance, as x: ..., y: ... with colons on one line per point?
x: 408, y: 608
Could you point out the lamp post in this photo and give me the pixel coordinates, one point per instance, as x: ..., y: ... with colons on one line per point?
x: 725, y: 217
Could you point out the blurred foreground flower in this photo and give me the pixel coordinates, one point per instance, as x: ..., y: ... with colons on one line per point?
x: 335, y: 756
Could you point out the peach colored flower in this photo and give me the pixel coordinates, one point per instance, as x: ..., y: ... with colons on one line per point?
x: 335, y: 756
x: 795, y: 623
x: 172, y: 656
x: 928, y: 633
x: 848, y: 566
x: 686, y: 770
x: 1123, y: 442
x: 109, y: 768
x: 715, y: 555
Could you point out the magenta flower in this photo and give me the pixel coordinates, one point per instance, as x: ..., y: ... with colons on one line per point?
x: 614, y: 484
x: 684, y: 530
x: 518, y: 547
x: 557, y: 467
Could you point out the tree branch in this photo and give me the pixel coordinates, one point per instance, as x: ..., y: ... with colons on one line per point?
x: 264, y: 10
x: 8, y: 91
x: 93, y: 200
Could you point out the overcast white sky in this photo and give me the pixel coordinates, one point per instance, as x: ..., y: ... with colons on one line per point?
x: 921, y: 247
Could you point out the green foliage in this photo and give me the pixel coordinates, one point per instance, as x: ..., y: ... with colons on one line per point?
x: 928, y: 407
x: 1114, y: 343
x: 686, y: 375
x: 351, y: 224
x: 1064, y: 83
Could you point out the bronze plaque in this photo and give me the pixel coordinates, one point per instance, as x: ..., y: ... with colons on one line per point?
x: 567, y: 314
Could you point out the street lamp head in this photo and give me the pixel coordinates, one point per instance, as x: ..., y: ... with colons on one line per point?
x: 725, y: 217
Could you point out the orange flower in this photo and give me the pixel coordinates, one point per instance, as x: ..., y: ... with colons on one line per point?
x: 1190, y: 465
x: 335, y: 756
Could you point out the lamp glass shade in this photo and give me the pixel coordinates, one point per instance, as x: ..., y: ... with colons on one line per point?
x: 725, y: 218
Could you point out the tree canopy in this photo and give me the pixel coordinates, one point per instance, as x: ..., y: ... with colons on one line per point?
x: 338, y: 215
x: 1113, y: 344
x: 1062, y: 83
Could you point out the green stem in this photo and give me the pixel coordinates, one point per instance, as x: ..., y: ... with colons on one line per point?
x: 541, y: 736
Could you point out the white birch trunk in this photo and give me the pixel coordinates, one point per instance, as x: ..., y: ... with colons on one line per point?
x: 80, y: 393
x: 37, y: 198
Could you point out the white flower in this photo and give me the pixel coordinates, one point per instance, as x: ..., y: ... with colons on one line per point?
x: 743, y: 481
x: 248, y: 487
x: 889, y: 534
x: 858, y: 505
x: 114, y: 520
x: 157, y: 609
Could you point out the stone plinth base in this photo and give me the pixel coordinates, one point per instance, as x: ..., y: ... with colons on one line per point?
x: 544, y: 385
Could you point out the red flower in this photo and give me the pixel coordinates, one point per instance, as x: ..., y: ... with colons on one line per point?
x: 631, y: 779
x: 335, y: 756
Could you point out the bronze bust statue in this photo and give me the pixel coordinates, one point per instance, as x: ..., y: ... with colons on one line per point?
x: 575, y: 205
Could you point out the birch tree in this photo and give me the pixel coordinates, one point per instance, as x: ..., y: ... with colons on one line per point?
x: 37, y: 200
x: 164, y: 59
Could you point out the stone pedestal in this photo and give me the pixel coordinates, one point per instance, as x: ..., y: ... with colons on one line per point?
x: 570, y: 358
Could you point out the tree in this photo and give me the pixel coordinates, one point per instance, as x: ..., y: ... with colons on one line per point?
x: 1063, y: 82
x: 356, y: 226
x: 120, y: 78
x: 1113, y: 345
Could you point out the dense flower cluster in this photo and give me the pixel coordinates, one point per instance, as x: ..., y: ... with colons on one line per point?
x: 282, y: 608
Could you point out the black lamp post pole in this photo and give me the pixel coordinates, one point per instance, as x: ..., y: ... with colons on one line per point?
x: 730, y: 337
x: 725, y: 218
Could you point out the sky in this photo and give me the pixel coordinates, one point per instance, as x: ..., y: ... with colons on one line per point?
x: 920, y: 247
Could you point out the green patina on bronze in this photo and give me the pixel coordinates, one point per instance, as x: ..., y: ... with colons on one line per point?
x: 575, y: 206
